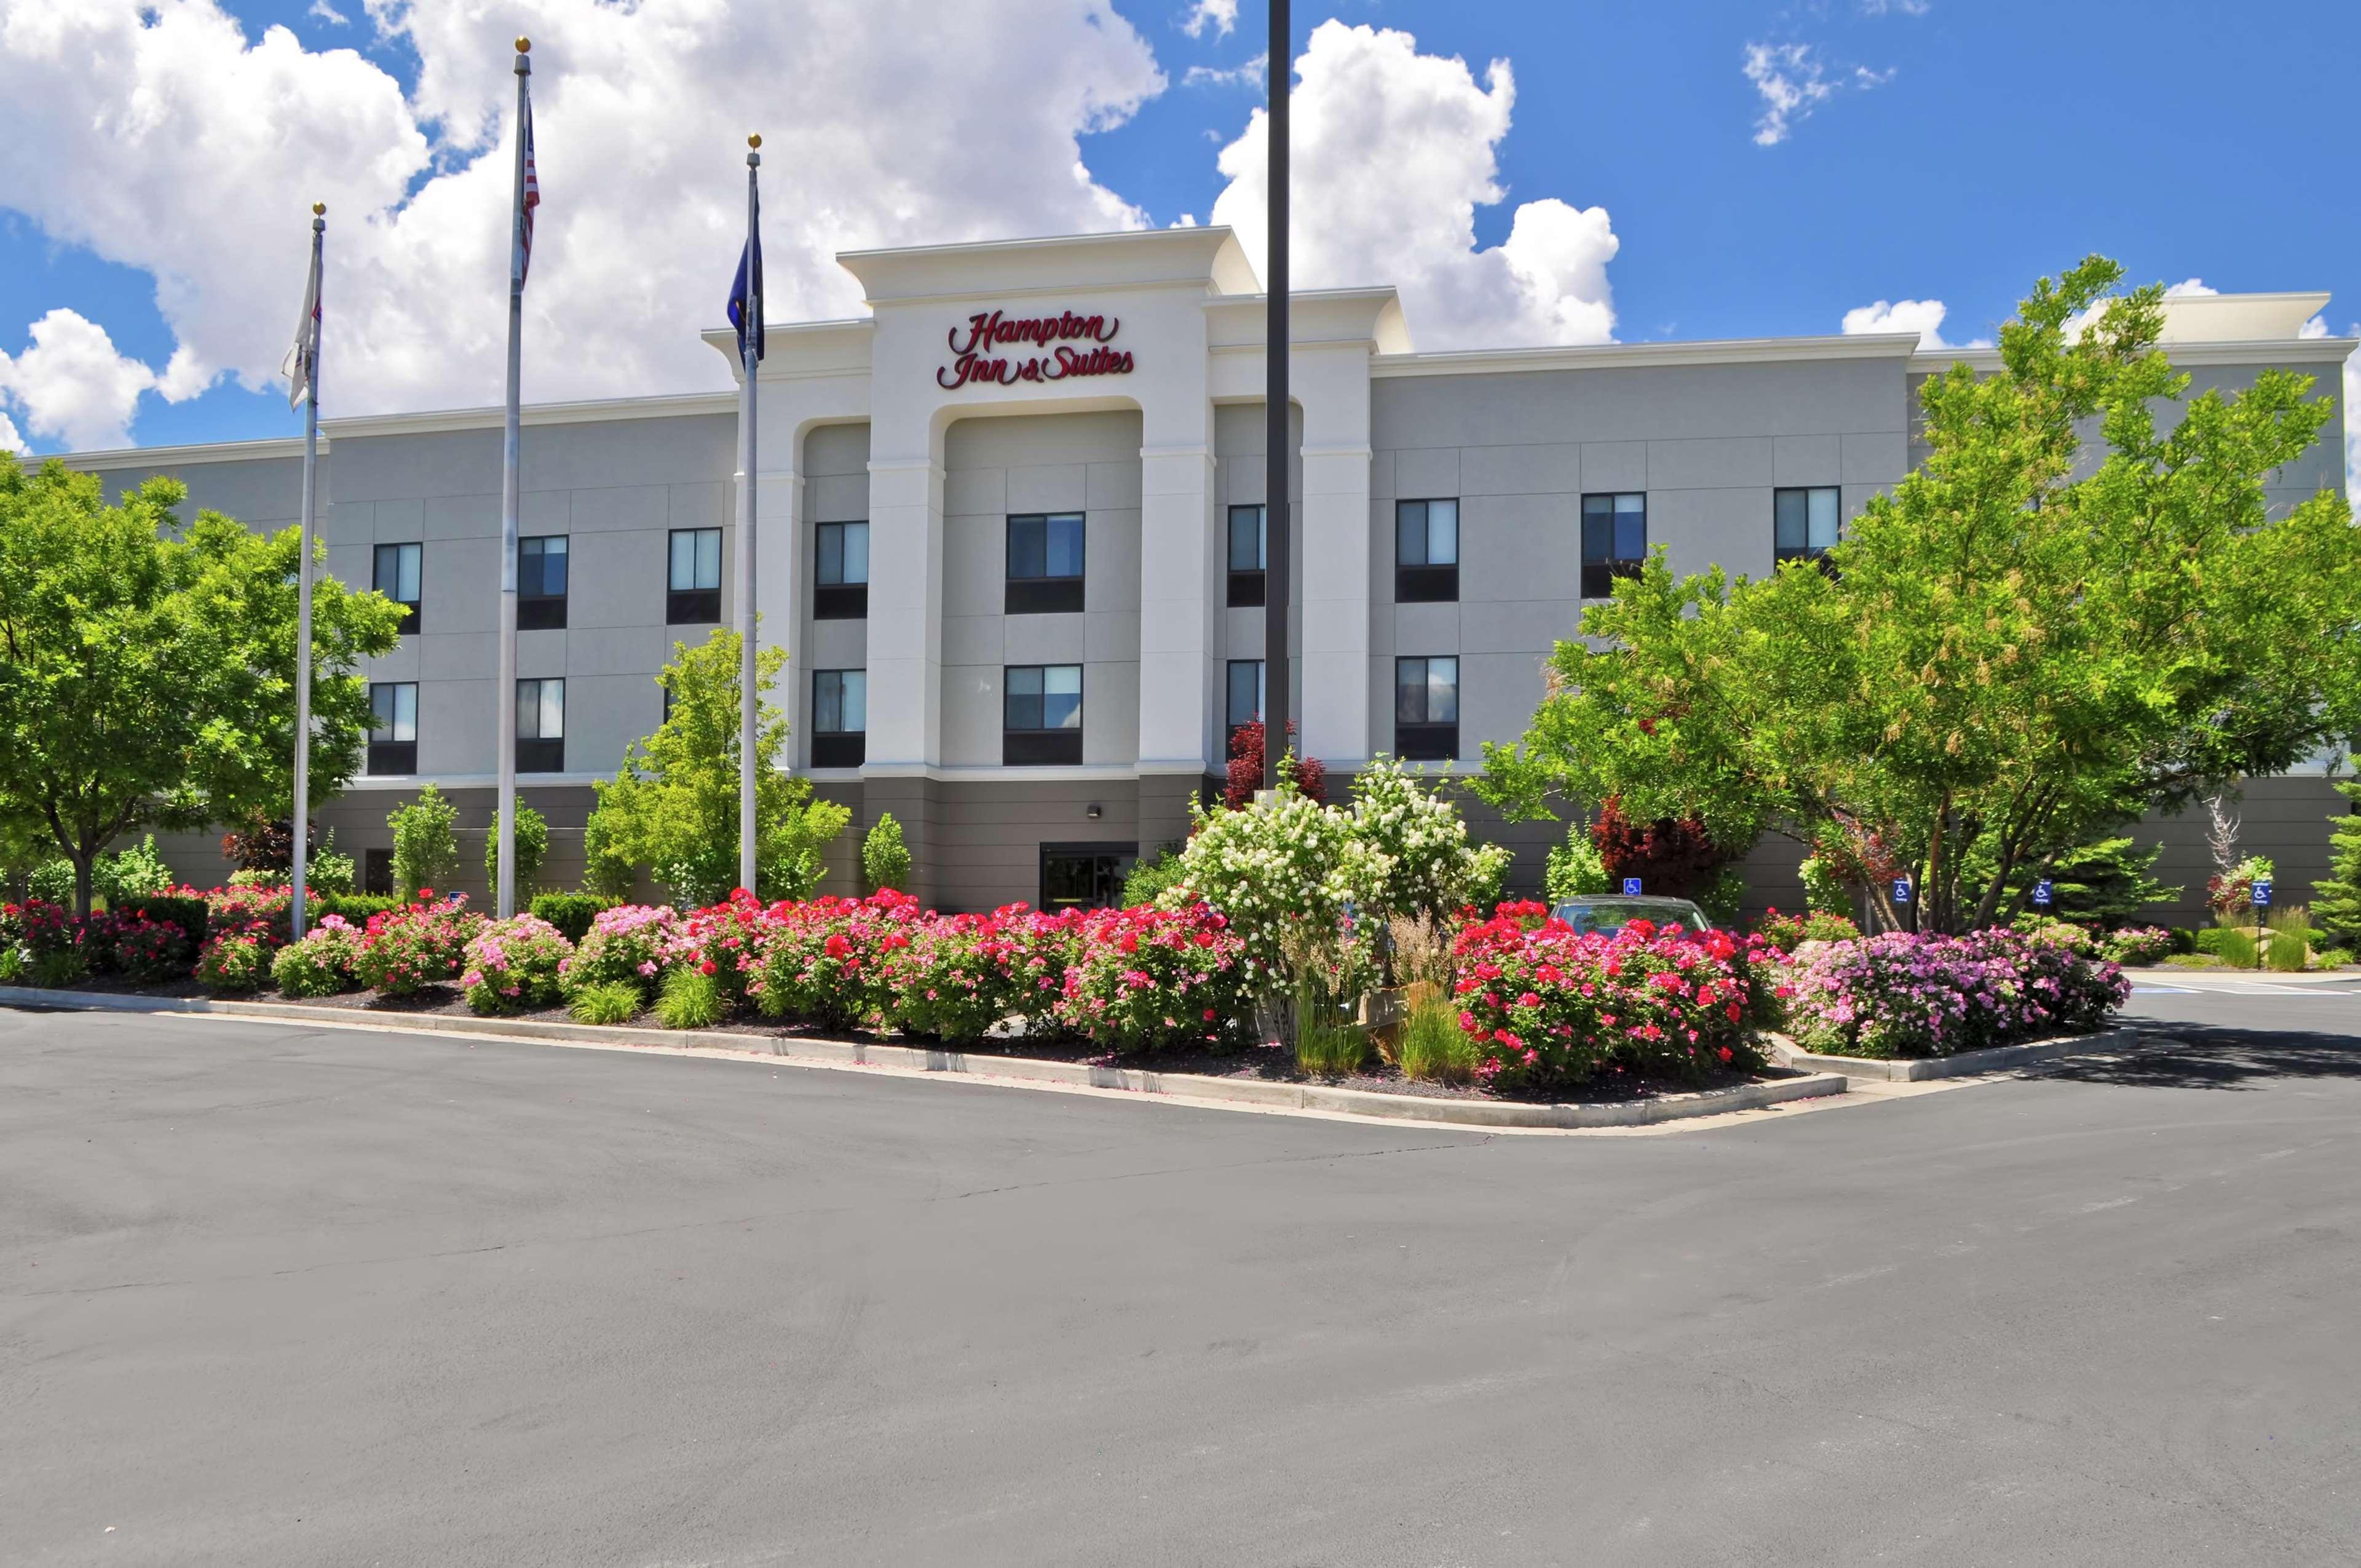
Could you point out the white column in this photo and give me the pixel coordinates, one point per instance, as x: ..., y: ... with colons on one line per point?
x: 905, y: 612
x: 1177, y: 567
x: 1332, y: 594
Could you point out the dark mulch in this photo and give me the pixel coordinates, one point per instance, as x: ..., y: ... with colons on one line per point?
x: 1272, y: 1063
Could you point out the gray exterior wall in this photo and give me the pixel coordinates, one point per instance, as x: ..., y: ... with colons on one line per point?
x: 836, y: 489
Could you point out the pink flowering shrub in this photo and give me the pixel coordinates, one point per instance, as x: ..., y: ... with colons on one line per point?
x: 234, y: 961
x: 1151, y: 979
x: 963, y: 973
x: 833, y: 961
x: 2138, y: 945
x: 1546, y: 1005
x: 42, y: 944
x: 266, y: 912
x: 321, y: 964
x: 725, y: 942
x: 142, y: 950
x: 417, y: 945
x: 634, y: 943
x: 512, y: 964
x: 1900, y: 994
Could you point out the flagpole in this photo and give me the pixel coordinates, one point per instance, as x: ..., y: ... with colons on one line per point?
x: 504, y: 695
x: 1278, y: 434
x: 303, y: 581
x: 749, y: 359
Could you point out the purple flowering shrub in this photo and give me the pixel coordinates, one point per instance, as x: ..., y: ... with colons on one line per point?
x: 415, y: 946
x: 634, y: 943
x: 514, y: 964
x: 1905, y: 996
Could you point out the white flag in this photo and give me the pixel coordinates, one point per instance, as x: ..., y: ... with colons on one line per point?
x: 297, y: 367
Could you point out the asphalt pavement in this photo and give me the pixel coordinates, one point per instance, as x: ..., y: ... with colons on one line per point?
x: 299, y: 1296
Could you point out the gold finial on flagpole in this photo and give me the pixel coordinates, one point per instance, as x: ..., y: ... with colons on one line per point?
x: 319, y: 209
x: 754, y: 141
x: 525, y: 45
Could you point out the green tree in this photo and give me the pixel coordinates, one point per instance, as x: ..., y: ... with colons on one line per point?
x: 146, y: 667
x: 425, y: 842
x: 884, y: 858
x: 2034, y: 638
x: 531, y: 847
x: 673, y: 806
x: 2337, y: 902
x: 2106, y: 884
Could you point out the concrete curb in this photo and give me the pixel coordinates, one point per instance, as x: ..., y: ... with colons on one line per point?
x: 1965, y: 1065
x: 1193, y: 1087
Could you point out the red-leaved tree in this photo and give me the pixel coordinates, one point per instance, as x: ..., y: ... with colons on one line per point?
x: 1245, y: 768
x: 1672, y: 856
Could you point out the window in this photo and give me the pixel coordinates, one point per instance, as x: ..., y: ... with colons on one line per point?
x: 1426, y: 552
x: 398, y: 568
x: 393, y: 727
x: 1045, y: 564
x: 1041, y: 722
x: 1803, y: 522
x: 1426, y: 708
x: 839, y: 717
x: 1245, y: 695
x: 1249, y: 547
x: 693, y: 590
x: 540, y: 727
x: 1614, y: 541
x: 376, y: 872
x: 541, y: 583
x: 841, y: 582
x: 1085, y: 876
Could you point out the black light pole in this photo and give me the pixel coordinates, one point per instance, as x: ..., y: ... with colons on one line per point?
x: 1277, y: 588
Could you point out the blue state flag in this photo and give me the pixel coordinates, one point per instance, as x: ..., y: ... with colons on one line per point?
x: 746, y: 291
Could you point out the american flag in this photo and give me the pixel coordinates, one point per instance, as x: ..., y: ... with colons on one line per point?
x: 532, y: 200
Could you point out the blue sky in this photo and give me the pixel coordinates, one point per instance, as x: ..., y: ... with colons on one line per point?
x: 1959, y: 147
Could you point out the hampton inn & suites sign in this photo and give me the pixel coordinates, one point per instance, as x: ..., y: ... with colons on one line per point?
x: 975, y: 362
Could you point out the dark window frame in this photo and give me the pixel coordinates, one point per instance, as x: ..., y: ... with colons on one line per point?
x: 1426, y: 580
x: 1422, y: 738
x: 696, y: 605
x: 538, y: 609
x: 1231, y: 722
x: 1603, y: 557
x: 1807, y: 551
x: 1248, y: 586
x: 1048, y: 746
x: 414, y: 610
x: 839, y: 748
x: 539, y: 753
x: 1108, y: 879
x: 838, y: 597
x: 376, y: 872
x: 1045, y: 593
x: 393, y: 757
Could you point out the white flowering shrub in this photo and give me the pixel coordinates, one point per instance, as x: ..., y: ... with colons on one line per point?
x: 1415, y: 846
x: 1273, y: 866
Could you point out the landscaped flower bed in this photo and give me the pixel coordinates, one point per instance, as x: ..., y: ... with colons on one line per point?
x: 1906, y: 996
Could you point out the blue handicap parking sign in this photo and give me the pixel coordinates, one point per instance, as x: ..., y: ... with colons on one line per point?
x: 2041, y: 891
x: 2262, y: 892
x: 1631, y: 887
x: 1902, y: 890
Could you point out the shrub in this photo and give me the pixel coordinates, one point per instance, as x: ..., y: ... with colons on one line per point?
x: 1419, y: 861
x: 147, y: 951
x: 884, y: 858
x: 571, y: 913
x: 1309, y: 777
x: 52, y: 881
x: 1274, y: 864
x: 512, y: 964
x: 181, y: 906
x: 1435, y: 1047
x: 426, y: 843
x: 2139, y: 945
x: 2336, y: 901
x: 43, y: 944
x: 1673, y: 855
x: 261, y: 912
x: 1146, y: 980
x: 128, y: 874
x: 356, y: 907
x: 1150, y: 877
x: 832, y: 962
x: 963, y: 973
x: 691, y: 1000
x: 1901, y: 994
x: 234, y: 960
x: 326, y: 873
x: 1788, y: 932
x: 631, y: 943
x: 416, y: 946
x: 1575, y: 870
x: 323, y: 963
x: 532, y: 833
x: 2225, y: 946
x: 2290, y: 938
x: 1327, y: 1044
x: 607, y: 1002
x: 2231, y: 894
x: 1544, y: 1005
x: 1825, y: 889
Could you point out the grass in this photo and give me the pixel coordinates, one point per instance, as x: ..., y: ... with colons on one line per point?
x: 1435, y: 1047
x: 691, y: 1000
x: 2234, y: 947
x: 610, y: 1002
x: 1325, y: 1045
x: 2289, y: 939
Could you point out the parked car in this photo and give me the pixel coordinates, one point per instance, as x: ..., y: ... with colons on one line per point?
x: 1610, y: 913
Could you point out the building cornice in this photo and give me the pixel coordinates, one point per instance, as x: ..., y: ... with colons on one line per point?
x: 179, y: 456
x: 596, y: 411
x: 1620, y: 355
x: 2266, y: 351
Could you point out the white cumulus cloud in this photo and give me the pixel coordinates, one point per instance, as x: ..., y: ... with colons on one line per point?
x: 2189, y: 288
x: 1924, y: 317
x: 1220, y: 16
x: 9, y: 440
x: 1392, y: 152
x: 1255, y: 72
x: 328, y: 14
x: 73, y: 386
x: 195, y: 157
